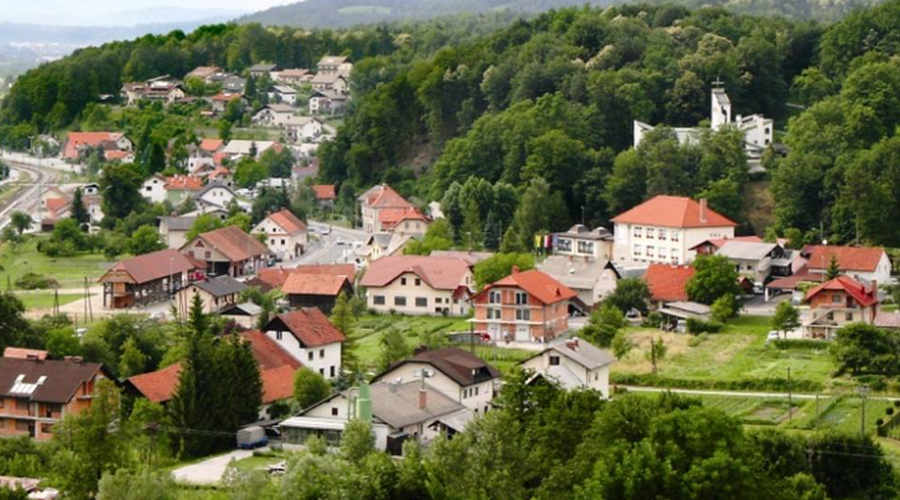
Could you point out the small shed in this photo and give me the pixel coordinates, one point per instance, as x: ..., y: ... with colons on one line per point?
x: 245, y: 314
x: 676, y: 314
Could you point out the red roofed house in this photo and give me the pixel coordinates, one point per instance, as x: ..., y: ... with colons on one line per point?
x: 862, y: 263
x: 147, y: 279
x: 666, y: 228
x: 228, y: 250
x: 411, y: 284
x: 286, y: 235
x: 667, y: 282
x: 376, y: 199
x: 839, y: 302
x: 403, y: 221
x: 316, y: 290
x: 326, y: 194
x: 528, y: 306
x: 221, y: 101
x: 180, y: 187
x: 276, y: 369
x: 78, y: 143
x: 309, y: 337
x: 275, y: 277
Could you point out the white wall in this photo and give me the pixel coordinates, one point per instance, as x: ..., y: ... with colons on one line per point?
x: 447, y: 386
x: 664, y: 250
x: 410, y: 290
x: 325, y: 360
x: 153, y: 189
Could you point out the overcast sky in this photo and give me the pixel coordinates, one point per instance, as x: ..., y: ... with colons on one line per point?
x: 106, y: 12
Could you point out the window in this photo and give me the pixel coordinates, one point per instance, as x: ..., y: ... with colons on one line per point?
x: 46, y: 428
x: 403, y: 281
x: 650, y: 251
x: 378, y: 300
x: 321, y: 353
x: 494, y: 297
x: 564, y: 245
x: 476, y: 390
x: 279, y: 336
x: 674, y: 236
x: 322, y: 372
x: 418, y: 282
x: 21, y: 404
x: 438, y: 300
x: 421, y: 301
x: 662, y: 234
x: 400, y: 300
x: 310, y: 355
x: 521, y: 298
x: 849, y: 316
x: 638, y: 231
x: 638, y: 250
x: 334, y: 412
x: 207, y: 254
x: 493, y: 313
x: 523, y: 314
x: 662, y: 253
x: 332, y: 371
x: 650, y: 234
x: 554, y: 360
x: 586, y: 247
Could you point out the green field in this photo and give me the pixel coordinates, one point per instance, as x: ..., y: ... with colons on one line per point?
x: 739, y: 353
x: 44, y: 300
x: 69, y: 272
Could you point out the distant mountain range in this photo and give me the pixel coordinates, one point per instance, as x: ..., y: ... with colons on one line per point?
x: 91, y: 35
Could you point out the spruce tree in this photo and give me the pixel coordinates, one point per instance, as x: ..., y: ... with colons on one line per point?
x: 79, y: 212
x: 343, y: 320
x: 834, y: 270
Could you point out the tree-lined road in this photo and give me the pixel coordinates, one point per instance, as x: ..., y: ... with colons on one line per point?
x: 28, y: 198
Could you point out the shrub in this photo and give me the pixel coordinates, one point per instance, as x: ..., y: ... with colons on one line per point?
x: 698, y: 326
x: 697, y: 340
x: 787, y: 344
x: 34, y: 281
x: 879, y: 422
x: 778, y: 384
x: 652, y: 320
x: 889, y: 410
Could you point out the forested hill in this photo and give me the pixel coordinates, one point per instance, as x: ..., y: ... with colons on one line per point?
x: 343, y: 13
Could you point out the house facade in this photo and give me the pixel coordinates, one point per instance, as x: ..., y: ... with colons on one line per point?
x: 286, y: 235
x: 664, y: 229
x: 579, y: 241
x: 837, y: 303
x: 574, y: 364
x: 376, y: 200
x: 527, y: 306
x: 309, y: 337
x: 215, y: 294
x: 418, y: 285
x: 228, y: 250
x: 592, y: 279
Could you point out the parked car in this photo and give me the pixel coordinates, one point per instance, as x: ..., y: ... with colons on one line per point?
x: 251, y: 437
x: 773, y: 335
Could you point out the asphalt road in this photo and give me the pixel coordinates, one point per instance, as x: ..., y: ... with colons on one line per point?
x: 28, y: 198
x: 337, y: 247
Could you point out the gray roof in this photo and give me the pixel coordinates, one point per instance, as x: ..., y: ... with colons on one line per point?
x: 213, y: 185
x: 746, y: 250
x: 243, y: 309
x: 691, y: 307
x: 381, y: 239
x: 581, y: 352
x: 180, y: 223
x: 469, y: 256
x: 263, y: 67
x: 331, y: 94
x: 582, y: 232
x: 284, y: 89
x: 221, y: 286
x: 400, y: 407
x: 280, y: 107
x: 575, y: 272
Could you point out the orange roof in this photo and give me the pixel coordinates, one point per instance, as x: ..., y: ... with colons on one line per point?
x: 153, y: 266
x: 673, y: 211
x: 439, y: 273
x: 541, y: 285
x: 211, y: 145
x: 226, y: 97
x: 56, y: 204
x: 309, y: 325
x: 158, y: 386
x: 390, y: 217
x: 848, y: 258
x: 863, y: 295
x: 219, y: 172
x: 22, y: 353
x: 314, y: 284
x: 667, y: 282
x: 116, y: 154
x: 273, y: 277
x: 384, y: 196
x: 348, y: 270
x: 234, y: 243
x: 184, y: 183
x: 325, y: 191
x: 278, y: 383
x: 287, y: 221
x: 267, y: 352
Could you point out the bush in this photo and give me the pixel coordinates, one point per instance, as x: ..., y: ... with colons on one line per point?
x: 698, y: 326
x: 34, y: 281
x: 875, y: 382
x: 763, y: 384
x: 879, y: 422
x: 652, y: 320
x: 697, y: 340
x: 889, y: 410
x: 787, y: 344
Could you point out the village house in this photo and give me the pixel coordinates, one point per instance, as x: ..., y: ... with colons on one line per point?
x: 296, y: 76
x: 181, y: 187
x: 37, y: 393
x: 417, y: 285
x: 286, y: 235
x: 573, y: 364
x: 285, y: 94
x: 308, y: 336
x: 334, y: 82
x: 203, y: 73
x: 274, y: 115
x: 863, y: 264
x: 154, y: 189
x: 228, y: 250
x: 579, y: 241
x: 162, y: 88
x: 79, y: 143
x: 667, y: 283
x: 216, y: 195
x: 221, y: 175
x: 527, y: 306
x: 456, y: 373
x: 263, y: 69
x: 664, y: 229
x: 215, y: 294
x: 327, y: 102
x: 325, y: 194
x: 219, y: 102
x: 233, y: 84
x: 398, y: 412
x: 147, y: 279
x: 758, y: 261
x: 303, y: 129
x: 124, y: 157
x: 201, y: 157
x: 275, y: 277
x: 837, y: 303
x: 403, y: 221
x: 245, y: 314
x: 316, y: 290
x: 173, y: 230
x: 334, y: 64
x: 711, y: 246
x: 237, y: 149
x: 374, y: 201
x: 592, y: 279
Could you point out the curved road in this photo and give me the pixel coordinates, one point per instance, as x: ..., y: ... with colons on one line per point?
x: 29, y: 196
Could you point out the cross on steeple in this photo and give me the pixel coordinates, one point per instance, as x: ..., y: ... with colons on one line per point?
x: 718, y: 83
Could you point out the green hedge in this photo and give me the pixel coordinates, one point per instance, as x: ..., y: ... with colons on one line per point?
x: 818, y: 345
x: 760, y: 384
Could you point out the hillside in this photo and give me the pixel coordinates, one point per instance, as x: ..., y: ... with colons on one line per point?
x: 343, y: 13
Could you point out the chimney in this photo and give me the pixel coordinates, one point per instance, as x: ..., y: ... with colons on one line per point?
x: 703, y: 210
x: 423, y: 399
x: 515, y: 270
x: 573, y: 344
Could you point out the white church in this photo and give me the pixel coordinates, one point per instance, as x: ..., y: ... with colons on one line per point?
x: 758, y: 130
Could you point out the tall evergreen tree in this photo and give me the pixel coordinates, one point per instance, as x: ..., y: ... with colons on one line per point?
x: 343, y: 320
x: 79, y: 212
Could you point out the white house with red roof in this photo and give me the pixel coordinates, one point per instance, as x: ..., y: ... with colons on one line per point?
x: 404, y: 221
x: 837, y: 303
x: 665, y: 229
x: 374, y: 201
x: 78, y: 143
x: 308, y: 336
x: 286, y: 235
x: 418, y: 285
x: 529, y: 306
x: 862, y: 263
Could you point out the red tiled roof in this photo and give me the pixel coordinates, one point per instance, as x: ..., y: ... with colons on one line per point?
x: 267, y: 352
x: 223, y: 97
x: 720, y: 242
x: 22, y: 353
x: 56, y: 204
x: 271, y: 278
x: 234, y: 243
x: 278, y: 383
x: 76, y: 140
x: 848, y: 258
x: 863, y: 295
x: 310, y: 326
x: 314, y: 284
x: 541, y: 285
x: 211, y: 145
x: 384, y: 196
x: 153, y: 266
x: 325, y: 192
x: 288, y: 221
x: 219, y: 172
x: 390, y: 217
x: 116, y: 154
x: 158, y: 386
x: 667, y: 282
x: 438, y: 273
x: 184, y: 182
x: 348, y: 270
x: 673, y: 211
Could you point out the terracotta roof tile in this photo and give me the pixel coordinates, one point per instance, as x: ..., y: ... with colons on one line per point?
x: 184, y: 183
x: 212, y: 145
x: 390, y: 217
x: 158, y: 386
x: 438, y: 273
x: 234, y: 243
x: 720, y: 242
x: 860, y: 293
x: 153, y: 266
x: 848, y: 258
x: 384, y: 196
x: 673, y: 211
x: 313, y: 284
x: 325, y: 192
x: 267, y: 352
x: 309, y: 325
x: 287, y: 221
x: 541, y: 285
x: 22, y: 353
x: 278, y: 383
x: 667, y: 282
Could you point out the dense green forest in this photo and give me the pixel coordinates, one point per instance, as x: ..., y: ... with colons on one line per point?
x: 532, y: 118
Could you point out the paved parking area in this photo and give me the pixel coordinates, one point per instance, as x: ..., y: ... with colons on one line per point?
x: 211, y: 470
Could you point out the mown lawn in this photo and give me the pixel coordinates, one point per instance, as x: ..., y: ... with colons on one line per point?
x: 45, y: 300
x: 737, y: 353
x: 69, y: 272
